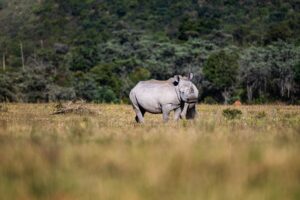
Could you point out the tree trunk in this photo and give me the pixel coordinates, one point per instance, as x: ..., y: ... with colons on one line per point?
x: 265, y: 85
x: 260, y: 92
x: 288, y: 87
x: 4, y: 64
x: 22, y: 56
x: 42, y: 44
x: 34, y: 56
x: 249, y: 93
x: 226, y: 96
x: 282, y: 89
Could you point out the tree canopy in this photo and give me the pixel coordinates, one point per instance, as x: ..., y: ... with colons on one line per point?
x: 98, y: 49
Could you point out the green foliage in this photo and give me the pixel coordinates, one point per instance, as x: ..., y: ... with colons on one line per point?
x: 89, y: 89
x: 296, y: 70
x: 209, y: 100
x: 111, y: 45
x: 139, y: 74
x: 83, y: 58
x: 261, y: 115
x: 105, y: 95
x: 221, y: 69
x: 106, y: 75
x: 7, y: 89
x: 277, y: 32
x: 269, y: 71
x: 261, y: 100
x: 232, y: 113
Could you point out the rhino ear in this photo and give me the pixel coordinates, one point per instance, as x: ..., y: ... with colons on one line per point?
x: 191, y: 75
x: 176, y: 80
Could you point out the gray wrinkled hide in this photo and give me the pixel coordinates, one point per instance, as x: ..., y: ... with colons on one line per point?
x: 158, y: 97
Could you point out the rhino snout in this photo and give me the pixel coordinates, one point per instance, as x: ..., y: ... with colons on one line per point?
x: 192, y: 100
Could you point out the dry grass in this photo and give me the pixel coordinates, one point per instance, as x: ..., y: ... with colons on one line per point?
x: 109, y: 156
x: 79, y: 107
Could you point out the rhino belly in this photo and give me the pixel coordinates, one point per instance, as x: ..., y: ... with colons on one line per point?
x: 150, y: 105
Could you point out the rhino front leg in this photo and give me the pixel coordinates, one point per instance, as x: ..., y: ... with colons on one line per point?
x: 166, y: 109
x: 177, y: 114
x: 191, y: 112
x: 184, y: 111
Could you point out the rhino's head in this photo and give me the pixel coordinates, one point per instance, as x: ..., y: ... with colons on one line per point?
x: 187, y: 90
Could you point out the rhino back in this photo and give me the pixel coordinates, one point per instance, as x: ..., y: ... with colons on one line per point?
x: 152, y: 94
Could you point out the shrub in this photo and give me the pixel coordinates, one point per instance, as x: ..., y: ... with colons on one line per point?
x: 139, y: 74
x: 232, y: 113
x: 261, y: 115
x: 234, y: 99
x: 261, y: 100
x: 210, y: 100
x: 105, y: 95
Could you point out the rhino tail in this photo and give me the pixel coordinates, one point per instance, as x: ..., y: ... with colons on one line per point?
x: 138, y: 110
x: 133, y: 99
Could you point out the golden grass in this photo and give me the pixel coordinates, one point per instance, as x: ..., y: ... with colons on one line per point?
x: 109, y: 156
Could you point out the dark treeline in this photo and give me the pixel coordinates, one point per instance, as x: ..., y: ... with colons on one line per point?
x: 98, y: 49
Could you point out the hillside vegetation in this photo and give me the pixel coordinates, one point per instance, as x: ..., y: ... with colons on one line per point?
x: 98, y: 49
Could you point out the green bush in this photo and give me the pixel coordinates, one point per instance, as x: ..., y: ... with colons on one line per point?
x: 139, y: 74
x: 261, y: 100
x: 115, y: 45
x: 232, y: 113
x: 8, y: 91
x: 1, y: 5
x: 234, y: 99
x: 261, y: 115
x: 105, y: 95
x: 221, y: 68
x: 210, y: 100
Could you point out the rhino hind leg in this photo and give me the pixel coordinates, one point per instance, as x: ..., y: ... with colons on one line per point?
x: 139, y: 118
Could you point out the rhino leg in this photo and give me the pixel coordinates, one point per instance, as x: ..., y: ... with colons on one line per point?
x: 139, y: 118
x: 137, y: 109
x: 191, y: 112
x: 140, y: 112
x: 166, y: 109
x: 184, y: 111
x: 177, y: 114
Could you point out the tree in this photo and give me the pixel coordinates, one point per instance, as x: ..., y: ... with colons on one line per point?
x: 270, y: 71
x: 283, y: 58
x: 221, y: 69
x: 115, y: 43
x: 8, y: 91
x: 255, y: 71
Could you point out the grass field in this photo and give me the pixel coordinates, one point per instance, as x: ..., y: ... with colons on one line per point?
x: 108, y: 156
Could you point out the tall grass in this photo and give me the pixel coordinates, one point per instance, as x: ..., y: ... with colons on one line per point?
x: 109, y: 156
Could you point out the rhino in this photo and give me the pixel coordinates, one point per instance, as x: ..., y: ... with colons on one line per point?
x: 176, y: 94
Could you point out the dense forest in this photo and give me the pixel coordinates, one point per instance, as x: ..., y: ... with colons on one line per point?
x: 97, y: 50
